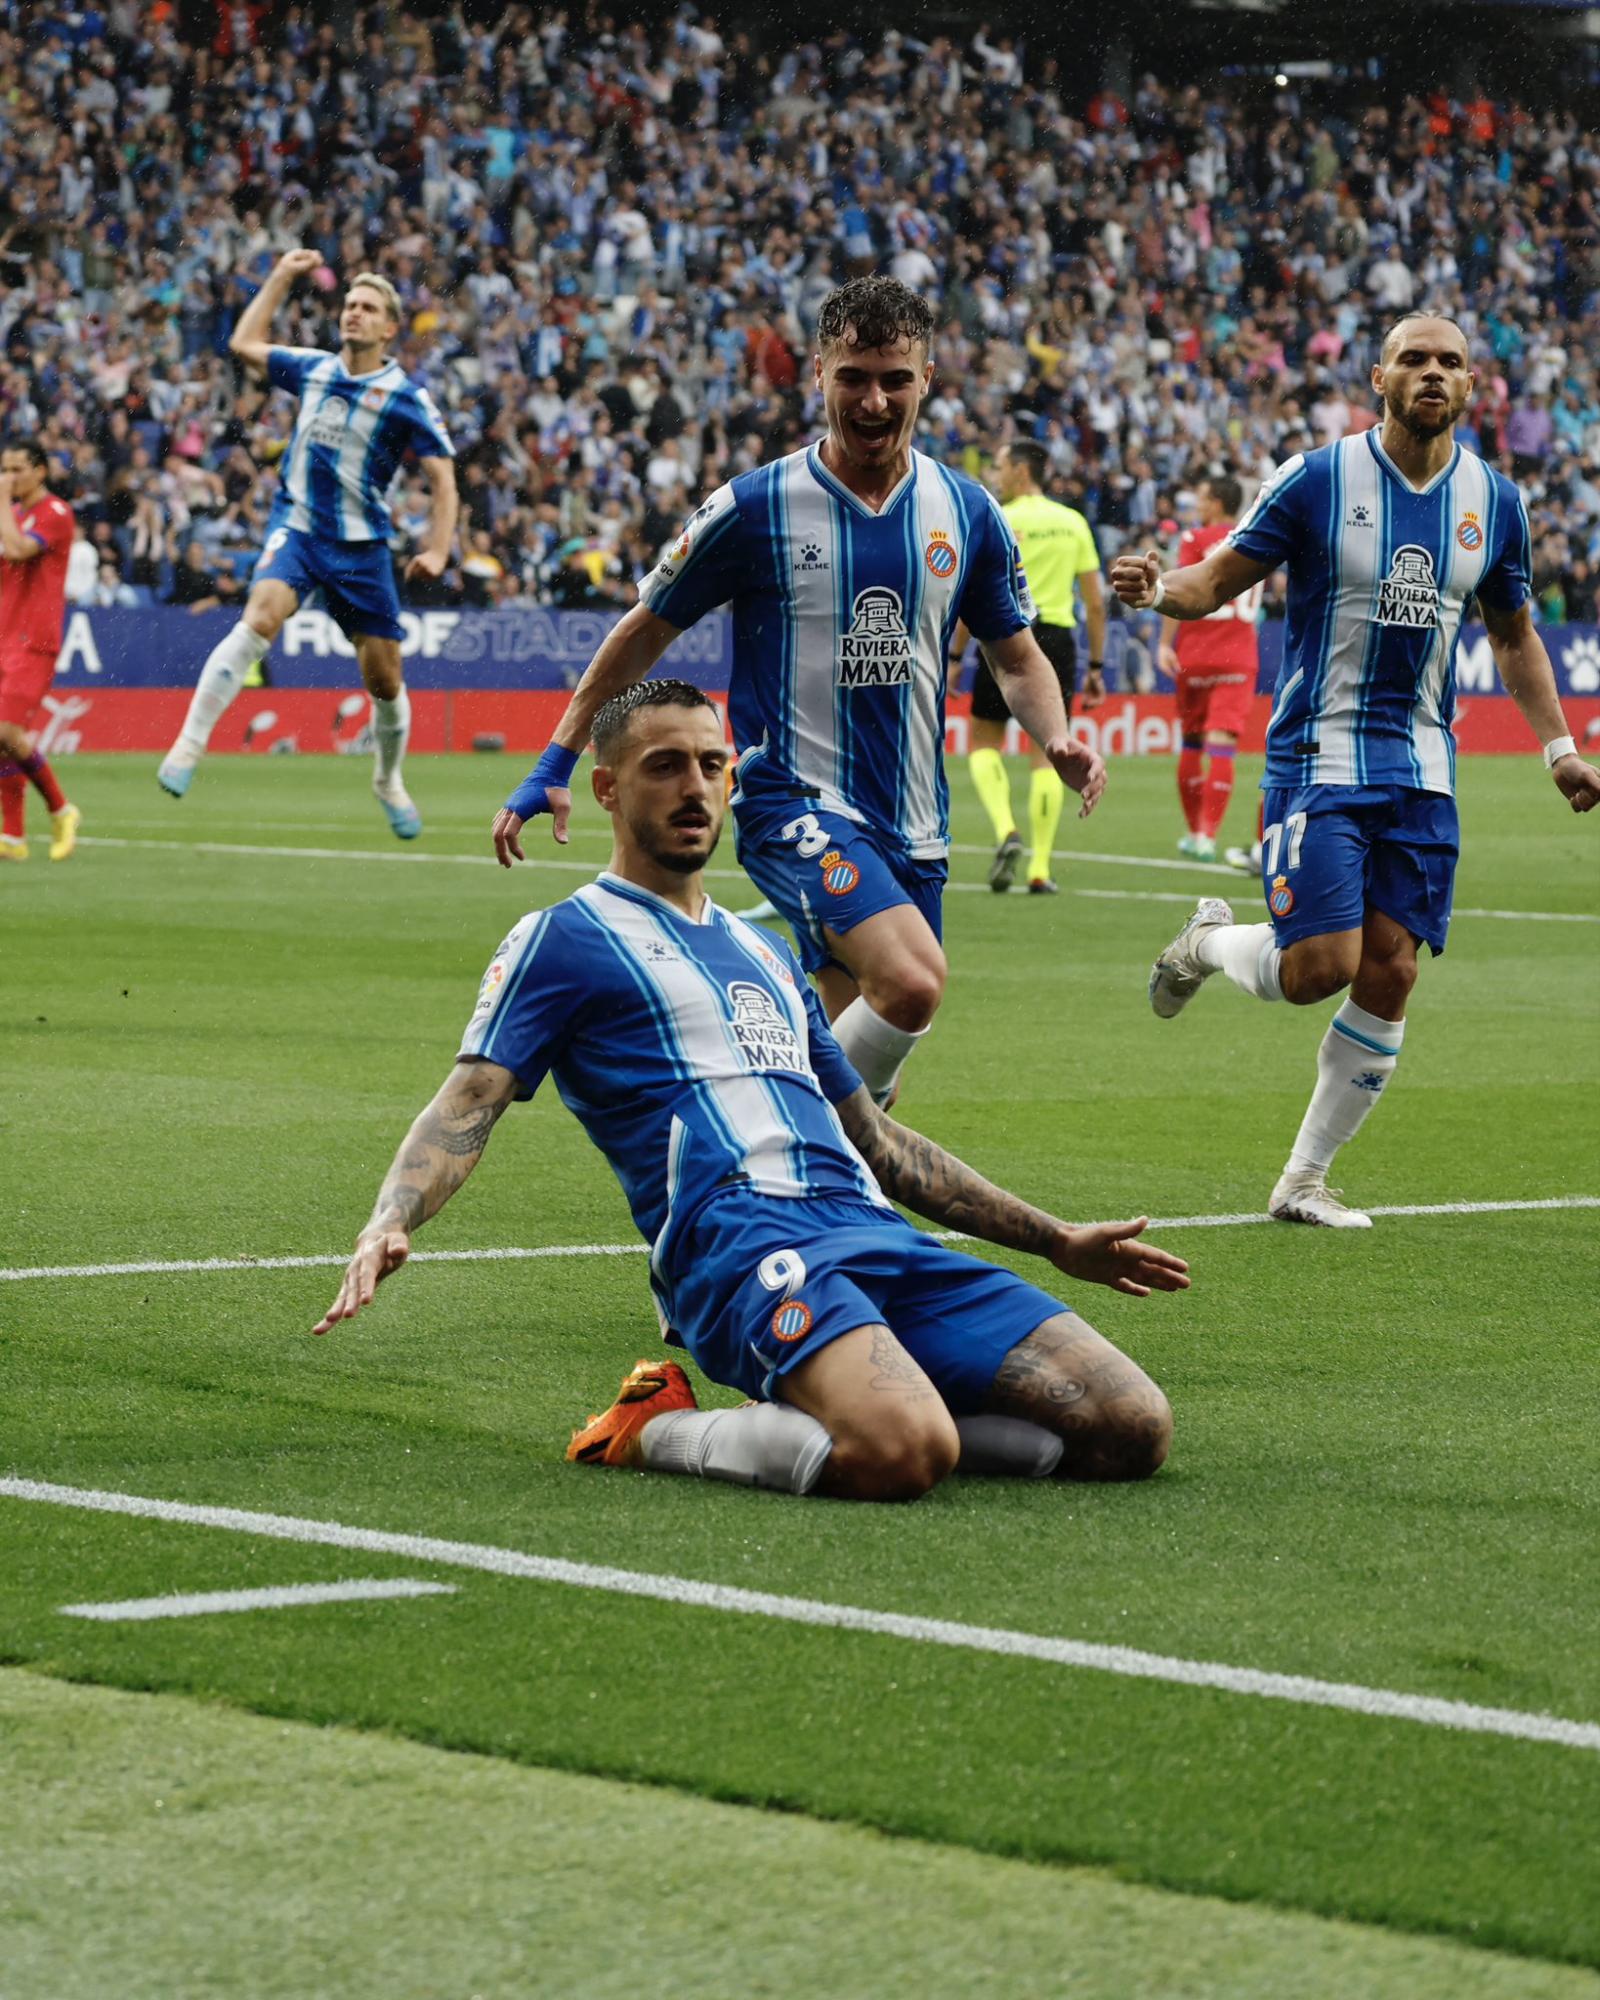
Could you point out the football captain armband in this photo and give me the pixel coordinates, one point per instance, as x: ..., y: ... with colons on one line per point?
x: 1557, y: 748
x: 555, y: 767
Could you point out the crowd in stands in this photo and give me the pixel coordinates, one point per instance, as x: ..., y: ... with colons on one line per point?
x: 612, y: 239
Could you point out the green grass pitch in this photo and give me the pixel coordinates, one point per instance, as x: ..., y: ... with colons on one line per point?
x: 1384, y: 1470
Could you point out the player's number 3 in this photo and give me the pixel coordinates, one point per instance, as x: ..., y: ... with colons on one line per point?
x: 809, y: 837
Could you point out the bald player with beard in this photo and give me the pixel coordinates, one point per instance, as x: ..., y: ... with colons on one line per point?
x: 1388, y: 536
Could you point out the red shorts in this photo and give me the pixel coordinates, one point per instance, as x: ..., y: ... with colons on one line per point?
x: 1214, y: 698
x: 25, y: 678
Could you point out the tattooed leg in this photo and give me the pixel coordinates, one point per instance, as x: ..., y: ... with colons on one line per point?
x: 893, y: 1438
x: 1114, y: 1423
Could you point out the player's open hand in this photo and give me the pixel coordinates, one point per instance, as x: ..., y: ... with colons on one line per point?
x: 377, y: 1254
x: 427, y: 565
x: 1080, y: 769
x: 1109, y: 1253
x: 508, y: 827
x: 299, y: 263
x: 1579, y: 782
x: 1134, y: 578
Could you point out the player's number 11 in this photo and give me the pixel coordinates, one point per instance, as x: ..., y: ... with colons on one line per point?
x: 1295, y: 827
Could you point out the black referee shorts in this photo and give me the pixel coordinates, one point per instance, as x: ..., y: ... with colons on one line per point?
x: 1059, y: 645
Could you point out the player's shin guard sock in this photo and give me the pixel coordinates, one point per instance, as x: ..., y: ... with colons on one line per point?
x: 1247, y: 953
x: 221, y: 678
x: 39, y: 774
x: 1218, y: 789
x: 1046, y: 793
x: 876, y: 1048
x: 1191, y: 781
x: 391, y: 730
x: 1355, y: 1061
x: 13, y: 800
x: 993, y: 787
x: 1007, y: 1448
x: 762, y: 1444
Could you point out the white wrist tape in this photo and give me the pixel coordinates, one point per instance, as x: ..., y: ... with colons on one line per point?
x: 1160, y: 597
x: 1557, y: 748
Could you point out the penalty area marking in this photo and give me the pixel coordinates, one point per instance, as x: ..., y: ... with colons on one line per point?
x: 1387, y: 1703
x: 282, y: 1597
x: 263, y: 852
x: 511, y: 1254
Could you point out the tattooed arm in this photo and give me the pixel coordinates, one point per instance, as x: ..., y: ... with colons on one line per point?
x: 435, y: 1157
x: 924, y: 1177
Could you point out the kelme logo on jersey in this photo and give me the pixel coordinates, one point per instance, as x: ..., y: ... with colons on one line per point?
x: 1409, y: 595
x: 940, y: 554
x: 1469, y: 533
x: 766, y: 1039
x: 876, y: 651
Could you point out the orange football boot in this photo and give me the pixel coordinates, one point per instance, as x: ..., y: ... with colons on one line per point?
x: 649, y: 1389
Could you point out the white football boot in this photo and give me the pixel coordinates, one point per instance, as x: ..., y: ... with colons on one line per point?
x: 1177, y: 976
x: 1308, y: 1198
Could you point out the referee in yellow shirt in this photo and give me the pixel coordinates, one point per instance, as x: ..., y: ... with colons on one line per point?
x: 1058, y: 552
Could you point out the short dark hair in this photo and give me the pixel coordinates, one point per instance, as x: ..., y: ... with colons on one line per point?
x: 30, y: 447
x: 877, y: 312
x: 1405, y: 319
x: 1225, y: 490
x: 611, y: 724
x: 1032, y: 454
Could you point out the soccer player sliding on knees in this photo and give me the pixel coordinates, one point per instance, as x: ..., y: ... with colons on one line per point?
x: 760, y: 1170
x: 1387, y: 536
x: 846, y: 567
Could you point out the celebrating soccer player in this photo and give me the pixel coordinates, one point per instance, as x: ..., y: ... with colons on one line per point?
x: 35, y: 547
x: 1213, y: 660
x: 760, y: 1170
x: 847, y: 566
x: 1387, y: 535
x: 359, y: 415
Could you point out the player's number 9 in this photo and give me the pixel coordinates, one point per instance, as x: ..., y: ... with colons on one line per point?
x: 782, y: 1271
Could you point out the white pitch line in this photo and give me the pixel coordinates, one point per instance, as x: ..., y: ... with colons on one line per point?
x: 515, y: 1254
x: 574, y: 867
x: 283, y: 1597
x: 1388, y: 1703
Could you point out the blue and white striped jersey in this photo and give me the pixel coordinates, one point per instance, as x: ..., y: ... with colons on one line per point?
x: 695, y: 1055
x: 349, y: 437
x: 842, y: 620
x: 1380, y: 574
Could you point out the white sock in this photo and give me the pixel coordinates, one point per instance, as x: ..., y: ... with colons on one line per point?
x: 1355, y: 1061
x: 391, y: 730
x: 221, y: 678
x: 1247, y: 953
x: 1007, y: 1448
x: 876, y: 1048
x: 759, y: 1444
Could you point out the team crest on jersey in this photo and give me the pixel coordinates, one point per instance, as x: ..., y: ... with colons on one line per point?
x: 940, y: 554
x: 1469, y: 533
x: 839, y: 876
x: 1409, y: 594
x: 775, y: 965
x: 792, y: 1321
x: 374, y: 399
x: 876, y: 651
x: 765, y: 1036
x: 1280, y: 900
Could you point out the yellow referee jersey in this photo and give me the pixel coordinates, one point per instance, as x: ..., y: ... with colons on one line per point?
x: 1057, y: 548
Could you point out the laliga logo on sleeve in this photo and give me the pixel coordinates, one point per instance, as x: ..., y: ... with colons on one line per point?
x: 1469, y: 533
x: 941, y: 555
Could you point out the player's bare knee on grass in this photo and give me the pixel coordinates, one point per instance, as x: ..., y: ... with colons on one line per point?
x: 1114, y: 1422
x: 900, y: 1459
x: 893, y: 1437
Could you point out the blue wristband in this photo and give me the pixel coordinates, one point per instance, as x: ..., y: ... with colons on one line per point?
x: 555, y: 767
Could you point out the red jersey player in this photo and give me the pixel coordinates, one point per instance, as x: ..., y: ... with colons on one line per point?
x: 1214, y: 662
x: 35, y: 544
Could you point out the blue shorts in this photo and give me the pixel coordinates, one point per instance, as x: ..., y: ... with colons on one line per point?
x: 356, y: 579
x: 819, y: 869
x: 767, y: 1281
x: 1341, y: 850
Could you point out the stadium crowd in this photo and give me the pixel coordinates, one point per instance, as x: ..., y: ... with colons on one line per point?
x: 611, y: 242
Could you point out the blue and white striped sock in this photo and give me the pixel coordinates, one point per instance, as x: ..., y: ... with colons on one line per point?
x: 1354, y: 1063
